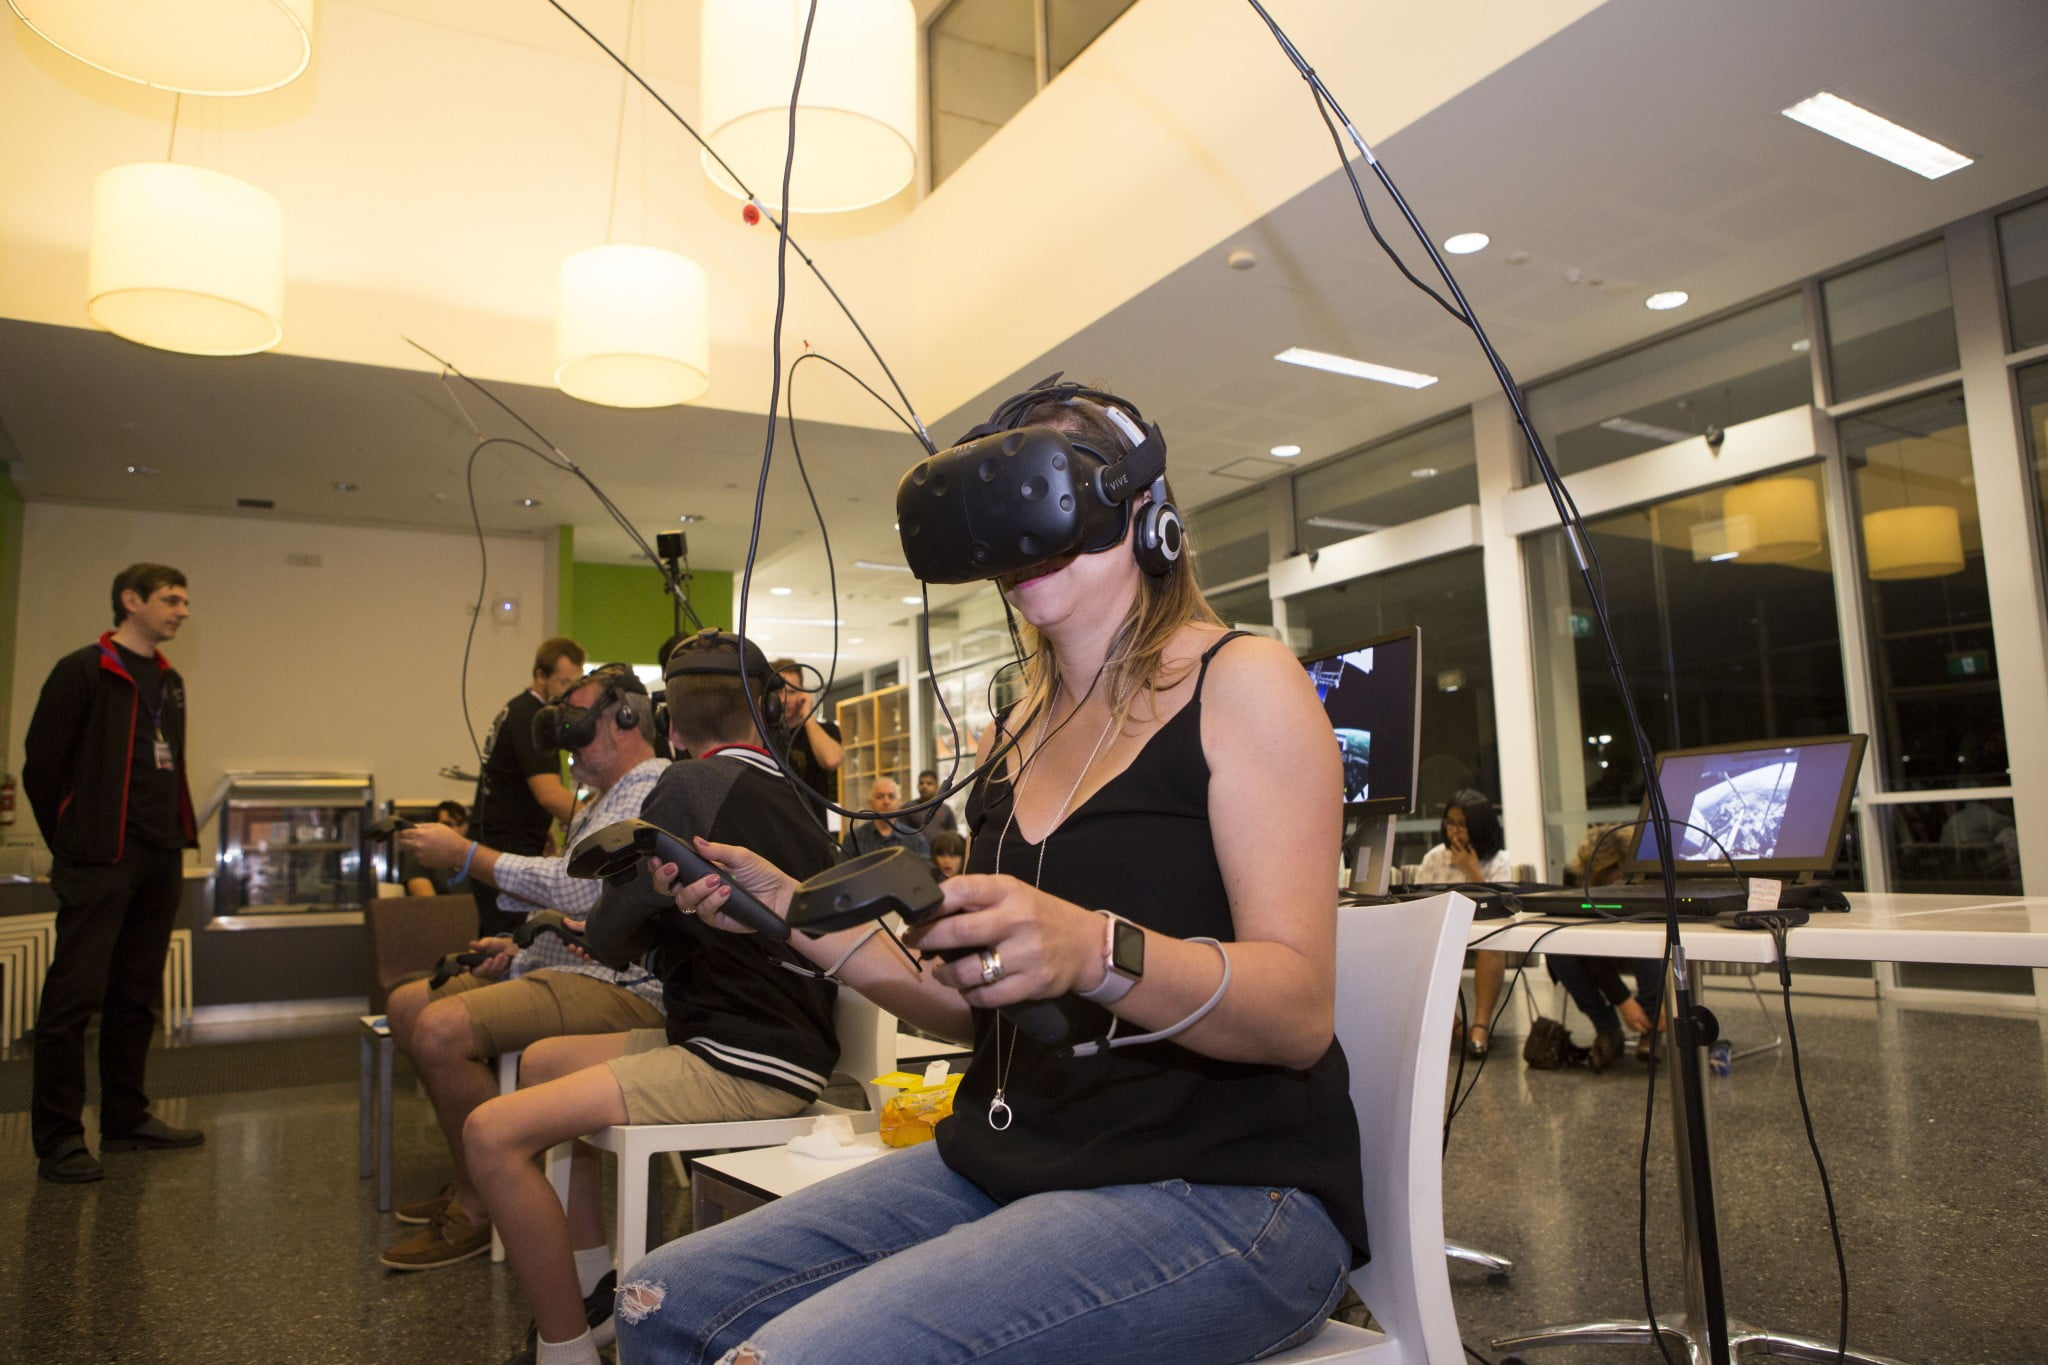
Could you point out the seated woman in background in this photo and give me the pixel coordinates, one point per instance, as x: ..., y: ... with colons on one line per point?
x: 1469, y: 849
x: 949, y: 851
x: 1594, y: 983
x: 421, y: 880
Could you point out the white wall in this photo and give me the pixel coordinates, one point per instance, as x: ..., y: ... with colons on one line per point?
x: 352, y: 665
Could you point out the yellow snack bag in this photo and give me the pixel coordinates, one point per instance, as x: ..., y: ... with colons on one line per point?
x: 909, y: 1116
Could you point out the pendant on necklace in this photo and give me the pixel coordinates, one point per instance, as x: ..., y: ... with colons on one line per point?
x: 998, y: 1113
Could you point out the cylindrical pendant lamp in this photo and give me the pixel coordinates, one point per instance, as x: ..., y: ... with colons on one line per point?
x: 186, y: 259
x: 1782, y: 517
x: 856, y: 142
x: 1924, y: 541
x: 199, y: 47
x: 633, y: 329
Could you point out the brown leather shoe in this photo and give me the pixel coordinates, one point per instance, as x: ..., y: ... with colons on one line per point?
x: 450, y: 1238
x: 420, y: 1212
x: 1607, y: 1045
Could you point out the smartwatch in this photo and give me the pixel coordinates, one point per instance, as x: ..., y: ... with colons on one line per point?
x: 1123, y: 960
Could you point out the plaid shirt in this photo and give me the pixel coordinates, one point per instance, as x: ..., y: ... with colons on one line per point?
x: 534, y: 883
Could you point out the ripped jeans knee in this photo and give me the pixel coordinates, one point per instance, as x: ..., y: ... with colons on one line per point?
x: 639, y: 1300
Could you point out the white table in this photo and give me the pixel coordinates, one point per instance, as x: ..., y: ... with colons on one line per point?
x: 1976, y: 930
x: 1973, y: 930
x: 724, y: 1186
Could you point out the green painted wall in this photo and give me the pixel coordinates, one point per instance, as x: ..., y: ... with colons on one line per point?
x: 618, y: 612
x: 10, y: 611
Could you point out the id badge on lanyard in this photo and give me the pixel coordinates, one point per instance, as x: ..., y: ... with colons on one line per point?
x: 164, y: 761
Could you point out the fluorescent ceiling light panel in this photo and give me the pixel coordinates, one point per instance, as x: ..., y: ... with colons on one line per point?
x: 1340, y: 524
x: 1628, y: 426
x: 795, y: 621
x: 1356, y: 369
x: 1873, y: 133
x: 877, y: 565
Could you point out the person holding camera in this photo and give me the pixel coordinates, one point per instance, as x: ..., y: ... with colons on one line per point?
x: 810, y: 742
x: 1152, y: 831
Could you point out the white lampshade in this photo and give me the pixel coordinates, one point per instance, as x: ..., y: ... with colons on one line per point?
x: 1913, y: 542
x: 856, y: 117
x: 186, y: 259
x: 1782, y: 517
x: 202, y: 47
x: 633, y: 329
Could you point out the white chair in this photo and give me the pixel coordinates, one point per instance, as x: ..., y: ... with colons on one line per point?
x: 867, y: 1048
x: 1397, y: 978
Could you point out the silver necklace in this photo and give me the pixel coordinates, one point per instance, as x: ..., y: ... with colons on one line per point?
x: 998, y: 1109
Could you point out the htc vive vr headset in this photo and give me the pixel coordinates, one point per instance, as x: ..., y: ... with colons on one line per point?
x: 559, y: 725
x: 716, y: 653
x: 1004, y: 497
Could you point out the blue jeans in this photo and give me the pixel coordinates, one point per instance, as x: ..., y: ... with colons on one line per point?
x: 901, y: 1260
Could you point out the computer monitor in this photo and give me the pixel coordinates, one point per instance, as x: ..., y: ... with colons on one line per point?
x: 1776, y: 809
x: 1372, y: 694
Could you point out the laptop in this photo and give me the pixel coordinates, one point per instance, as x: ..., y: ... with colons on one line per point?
x: 1773, y: 810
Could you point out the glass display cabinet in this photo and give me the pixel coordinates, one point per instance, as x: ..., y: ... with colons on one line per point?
x: 293, y: 845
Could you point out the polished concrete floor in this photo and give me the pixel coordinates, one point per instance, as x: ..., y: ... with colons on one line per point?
x: 262, y: 1246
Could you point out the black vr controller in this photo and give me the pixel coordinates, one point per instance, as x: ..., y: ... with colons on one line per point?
x: 615, y: 853
x: 894, y: 880
x: 388, y: 826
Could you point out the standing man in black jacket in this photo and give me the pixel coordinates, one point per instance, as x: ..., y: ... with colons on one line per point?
x: 105, y: 775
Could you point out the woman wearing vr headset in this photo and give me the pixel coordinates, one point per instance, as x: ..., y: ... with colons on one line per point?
x: 1154, y: 836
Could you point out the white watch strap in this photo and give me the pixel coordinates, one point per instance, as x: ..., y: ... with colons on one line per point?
x: 1115, y: 984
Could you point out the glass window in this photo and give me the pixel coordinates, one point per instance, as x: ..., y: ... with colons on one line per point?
x: 1934, y: 663
x: 1722, y: 602
x: 1071, y: 25
x: 1890, y: 322
x: 1229, y: 538
x: 1446, y: 598
x: 2023, y: 244
x: 1246, y: 606
x: 982, y: 57
x: 1385, y: 484
x: 1956, y: 846
x: 2033, y: 384
x: 1744, y: 366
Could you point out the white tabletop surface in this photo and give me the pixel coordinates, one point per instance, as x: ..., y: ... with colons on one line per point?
x: 777, y: 1171
x: 1979, y: 930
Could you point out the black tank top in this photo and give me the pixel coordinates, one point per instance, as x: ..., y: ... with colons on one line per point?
x: 1140, y: 846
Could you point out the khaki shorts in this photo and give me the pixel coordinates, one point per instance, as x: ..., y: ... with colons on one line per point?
x: 506, y: 1016
x: 663, y: 1082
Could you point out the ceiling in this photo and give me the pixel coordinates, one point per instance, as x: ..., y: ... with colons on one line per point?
x: 1637, y: 147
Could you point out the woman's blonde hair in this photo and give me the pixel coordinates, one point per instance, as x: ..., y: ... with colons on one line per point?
x: 1607, y: 848
x: 1162, y: 606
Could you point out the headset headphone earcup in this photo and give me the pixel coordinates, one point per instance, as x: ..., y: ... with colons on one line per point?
x: 625, y: 717
x: 772, y: 709
x: 1158, y: 538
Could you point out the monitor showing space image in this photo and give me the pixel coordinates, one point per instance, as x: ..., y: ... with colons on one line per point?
x: 1368, y: 691
x: 1766, y: 807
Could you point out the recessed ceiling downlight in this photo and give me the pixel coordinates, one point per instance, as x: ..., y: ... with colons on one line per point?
x: 1666, y: 300
x: 1465, y: 243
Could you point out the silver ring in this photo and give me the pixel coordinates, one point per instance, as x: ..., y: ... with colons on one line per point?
x: 991, y: 966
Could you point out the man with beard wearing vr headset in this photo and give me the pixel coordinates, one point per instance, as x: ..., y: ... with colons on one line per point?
x: 749, y: 1031
x: 1150, y: 856
x: 517, y: 996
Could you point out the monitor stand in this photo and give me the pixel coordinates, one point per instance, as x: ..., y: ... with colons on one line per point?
x: 1372, y: 855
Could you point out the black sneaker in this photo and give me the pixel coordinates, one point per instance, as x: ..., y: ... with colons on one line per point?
x: 71, y: 1164
x: 152, y: 1134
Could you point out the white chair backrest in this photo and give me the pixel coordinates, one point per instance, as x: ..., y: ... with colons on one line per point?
x: 867, y: 1041
x: 1397, y: 979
